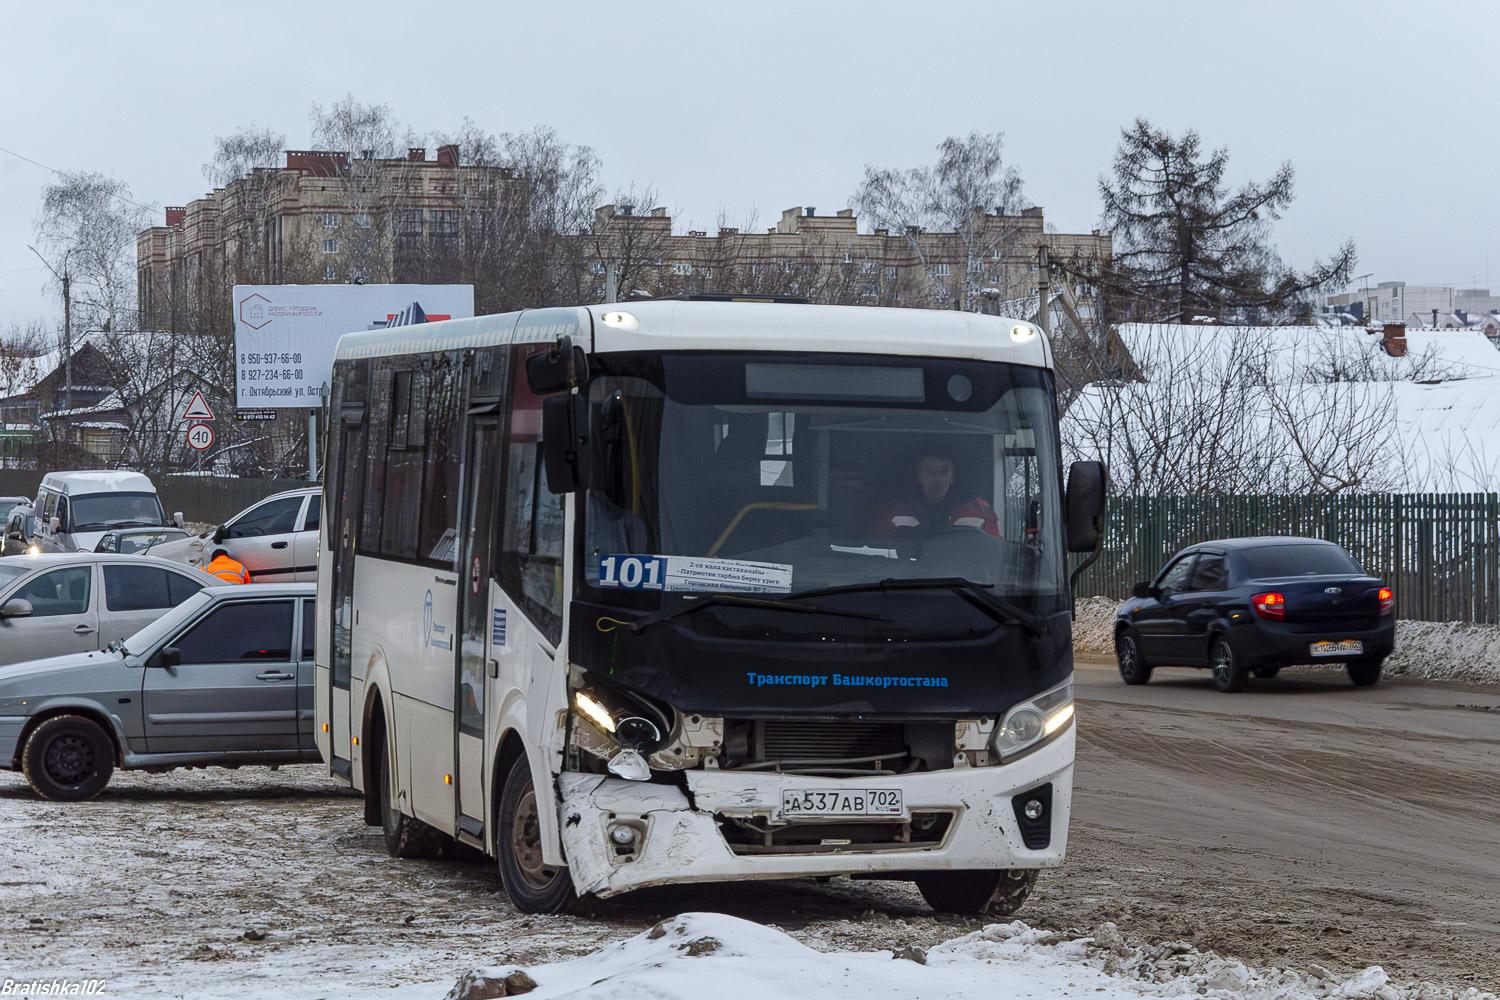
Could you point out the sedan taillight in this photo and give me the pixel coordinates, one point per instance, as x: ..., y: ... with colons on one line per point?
x: 1387, y: 600
x: 1270, y: 605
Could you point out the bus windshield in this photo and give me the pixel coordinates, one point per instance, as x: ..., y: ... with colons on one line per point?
x: 781, y: 474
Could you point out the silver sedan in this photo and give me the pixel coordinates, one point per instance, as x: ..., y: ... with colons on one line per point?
x: 74, y: 602
x: 225, y: 678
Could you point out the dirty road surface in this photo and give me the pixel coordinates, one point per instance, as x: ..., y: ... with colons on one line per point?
x: 1303, y: 822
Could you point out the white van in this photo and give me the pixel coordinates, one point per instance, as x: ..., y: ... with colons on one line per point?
x: 75, y: 509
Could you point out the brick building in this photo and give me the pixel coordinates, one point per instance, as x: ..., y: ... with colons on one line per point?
x: 323, y: 217
x: 329, y: 217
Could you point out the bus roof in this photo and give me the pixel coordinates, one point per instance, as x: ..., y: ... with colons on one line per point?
x: 677, y: 325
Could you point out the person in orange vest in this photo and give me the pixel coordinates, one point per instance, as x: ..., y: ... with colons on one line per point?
x: 226, y: 568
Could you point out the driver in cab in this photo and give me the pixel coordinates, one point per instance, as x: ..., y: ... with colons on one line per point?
x: 926, y: 504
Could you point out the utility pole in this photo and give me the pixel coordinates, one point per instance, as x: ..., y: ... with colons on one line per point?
x: 1043, y: 317
x: 611, y: 281
x: 67, y: 326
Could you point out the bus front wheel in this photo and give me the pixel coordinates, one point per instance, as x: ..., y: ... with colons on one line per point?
x: 992, y: 893
x: 532, y: 884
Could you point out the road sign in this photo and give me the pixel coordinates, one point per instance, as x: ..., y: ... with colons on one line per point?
x: 198, y: 409
x: 200, y: 436
x: 255, y: 414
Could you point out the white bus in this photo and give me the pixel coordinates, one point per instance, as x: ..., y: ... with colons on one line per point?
x: 677, y: 591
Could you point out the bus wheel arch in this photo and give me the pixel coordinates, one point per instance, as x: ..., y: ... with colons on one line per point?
x: 373, y: 740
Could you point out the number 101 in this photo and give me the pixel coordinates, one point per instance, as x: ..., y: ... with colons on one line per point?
x: 631, y: 572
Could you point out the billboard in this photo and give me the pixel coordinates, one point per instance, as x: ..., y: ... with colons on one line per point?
x: 285, y: 335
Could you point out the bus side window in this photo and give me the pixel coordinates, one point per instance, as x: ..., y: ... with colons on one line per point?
x: 531, y: 543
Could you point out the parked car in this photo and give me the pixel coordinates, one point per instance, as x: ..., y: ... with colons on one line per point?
x: 9, y: 504
x: 137, y: 541
x: 74, y: 509
x: 70, y: 603
x: 1255, y: 605
x: 276, y: 539
x: 18, y: 532
x: 224, y: 678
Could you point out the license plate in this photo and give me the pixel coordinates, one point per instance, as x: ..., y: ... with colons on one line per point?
x: 842, y: 802
x: 1340, y: 647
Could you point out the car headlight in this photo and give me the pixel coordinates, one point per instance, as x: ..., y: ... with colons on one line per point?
x: 1033, y: 723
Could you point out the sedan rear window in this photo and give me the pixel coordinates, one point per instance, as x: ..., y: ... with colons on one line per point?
x: 1271, y: 561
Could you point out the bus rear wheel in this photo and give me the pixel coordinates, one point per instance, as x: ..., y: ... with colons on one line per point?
x: 405, y: 836
x: 532, y: 884
x: 991, y: 893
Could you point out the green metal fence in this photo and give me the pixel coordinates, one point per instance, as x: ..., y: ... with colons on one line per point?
x: 1441, y: 552
x: 210, y: 499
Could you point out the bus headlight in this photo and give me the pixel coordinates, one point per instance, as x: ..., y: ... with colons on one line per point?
x: 627, y: 725
x: 1034, y: 723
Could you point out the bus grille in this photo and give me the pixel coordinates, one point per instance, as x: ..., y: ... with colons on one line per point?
x: 777, y: 739
x: 836, y: 746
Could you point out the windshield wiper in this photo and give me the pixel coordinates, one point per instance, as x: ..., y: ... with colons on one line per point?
x: 975, y: 593
x: 778, y: 604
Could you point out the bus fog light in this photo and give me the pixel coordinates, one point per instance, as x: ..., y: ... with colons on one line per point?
x: 630, y: 765
x: 622, y: 835
x: 1034, y: 809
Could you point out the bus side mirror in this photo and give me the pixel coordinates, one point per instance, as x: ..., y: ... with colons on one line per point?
x: 55, y: 525
x: 177, y: 520
x: 563, y: 367
x: 565, y: 442
x: 1085, y: 505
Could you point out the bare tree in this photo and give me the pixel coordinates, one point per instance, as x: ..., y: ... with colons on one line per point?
x: 1232, y: 415
x: 969, y: 192
x: 87, y: 232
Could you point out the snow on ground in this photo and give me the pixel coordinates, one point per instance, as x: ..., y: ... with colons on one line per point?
x: 1445, y: 651
x: 747, y: 961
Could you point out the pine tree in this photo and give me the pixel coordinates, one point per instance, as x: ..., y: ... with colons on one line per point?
x: 1186, y: 246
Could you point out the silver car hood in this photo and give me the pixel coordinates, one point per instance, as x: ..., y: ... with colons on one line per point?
x: 21, y: 678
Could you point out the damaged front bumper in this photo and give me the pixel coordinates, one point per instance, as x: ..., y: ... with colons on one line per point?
x: 622, y: 835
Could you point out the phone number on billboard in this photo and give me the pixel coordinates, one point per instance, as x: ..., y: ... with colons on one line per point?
x: 284, y: 358
x: 270, y: 374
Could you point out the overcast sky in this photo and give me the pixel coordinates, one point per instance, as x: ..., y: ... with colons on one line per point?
x: 1387, y: 110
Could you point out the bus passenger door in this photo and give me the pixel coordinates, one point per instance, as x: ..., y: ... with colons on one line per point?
x: 350, y: 489
x: 479, y: 622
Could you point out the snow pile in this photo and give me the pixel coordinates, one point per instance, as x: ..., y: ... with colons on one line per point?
x: 694, y: 954
x: 1445, y: 651
x: 1173, y: 968
x: 1094, y: 626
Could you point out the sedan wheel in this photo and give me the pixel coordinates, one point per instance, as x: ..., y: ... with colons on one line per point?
x: 1230, y: 674
x: 1133, y: 669
x: 68, y: 758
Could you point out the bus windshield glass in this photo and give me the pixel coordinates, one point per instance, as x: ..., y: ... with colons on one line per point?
x: 782, y: 474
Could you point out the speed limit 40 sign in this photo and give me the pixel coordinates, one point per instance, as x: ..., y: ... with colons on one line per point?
x: 200, y: 436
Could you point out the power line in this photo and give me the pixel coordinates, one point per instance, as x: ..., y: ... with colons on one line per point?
x: 54, y: 170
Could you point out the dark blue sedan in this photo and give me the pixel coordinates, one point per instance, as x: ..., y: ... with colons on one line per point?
x: 1246, y: 606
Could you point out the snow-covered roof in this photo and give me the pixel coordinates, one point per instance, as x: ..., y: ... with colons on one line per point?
x: 19, y: 376
x: 1303, y: 353
x: 108, y: 404
x: 1427, y: 422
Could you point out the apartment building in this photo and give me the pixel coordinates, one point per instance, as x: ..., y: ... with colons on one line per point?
x: 828, y: 259
x: 323, y: 217
x: 328, y: 217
